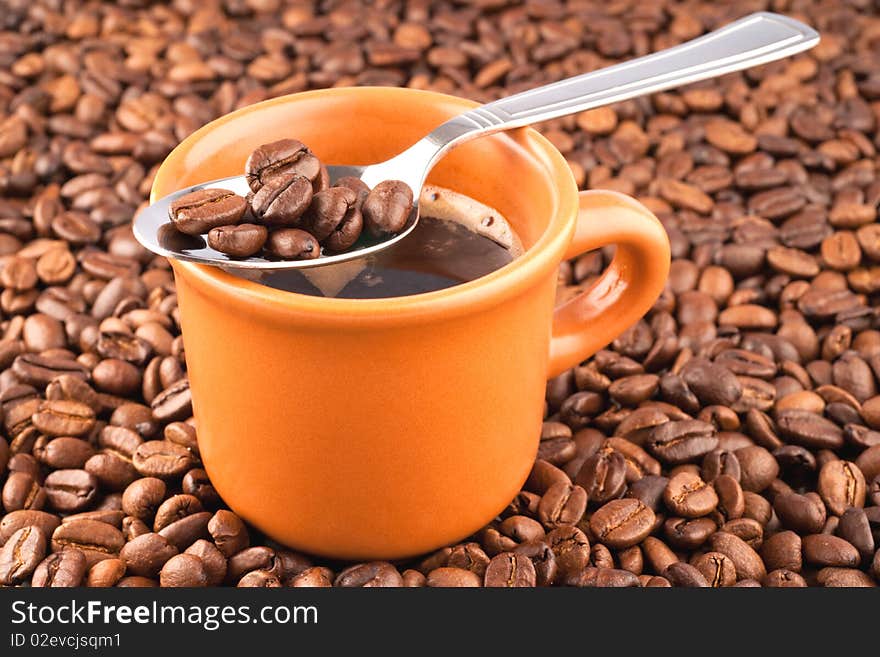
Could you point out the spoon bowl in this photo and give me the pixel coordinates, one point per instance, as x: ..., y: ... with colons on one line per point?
x: 153, y: 228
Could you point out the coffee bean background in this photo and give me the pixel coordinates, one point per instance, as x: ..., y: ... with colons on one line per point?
x: 731, y: 437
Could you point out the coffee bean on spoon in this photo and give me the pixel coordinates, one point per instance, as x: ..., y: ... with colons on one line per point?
x: 327, y: 210
x: 322, y: 180
x: 293, y: 244
x: 285, y: 156
x: 238, y: 241
x: 387, y: 208
x: 347, y: 231
x: 356, y: 185
x: 200, y: 211
x: 282, y: 199
x: 335, y: 218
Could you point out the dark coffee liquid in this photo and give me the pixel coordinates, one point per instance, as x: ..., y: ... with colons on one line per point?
x: 439, y: 253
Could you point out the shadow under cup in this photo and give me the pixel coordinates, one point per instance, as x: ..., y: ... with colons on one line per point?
x: 376, y: 428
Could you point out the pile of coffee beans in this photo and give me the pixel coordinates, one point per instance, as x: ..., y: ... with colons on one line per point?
x: 731, y: 437
x: 291, y: 210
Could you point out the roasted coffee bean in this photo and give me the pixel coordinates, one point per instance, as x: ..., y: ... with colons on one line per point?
x: 142, y: 497
x: 688, y: 533
x: 783, y: 551
x: 15, y: 520
x: 682, y: 442
x: 64, y: 418
x: 510, y: 570
x: 731, y: 499
x: 720, y: 462
x: 601, y: 556
x: 196, y: 483
x: 649, y: 489
x: 213, y: 561
x: 173, y: 403
x: 183, y: 570
x: 844, y: 578
x: 711, y: 382
x: 112, y: 471
x: 95, y: 539
x: 136, y: 581
x: 827, y: 550
x: 187, y: 530
x: 874, y: 491
x: 198, y: 212
x: 469, y: 556
x: 632, y: 559
x: 657, y: 554
x: 685, y: 575
x: 804, y: 514
x: 413, y: 579
x: 175, y: 508
x: 562, y: 504
x: 638, y: 462
x: 69, y: 491
x: 109, y: 515
x: 841, y: 486
x: 182, y: 434
x: 22, y: 491
x: 451, y: 577
x: 783, y: 578
x: 387, y: 207
x: 746, y: 561
x: 603, y: 578
x: 293, y: 244
x: 717, y: 568
x: 61, y: 569
x: 758, y: 468
x: 317, y: 577
x: 281, y: 200
x: 809, y: 430
x: 571, y: 547
x: 374, y: 574
x: 521, y: 529
x: 21, y: 554
x: 39, y: 370
x: 133, y: 527
x: 542, y: 476
x: 603, y: 476
x: 229, y: 533
x: 285, y: 156
x: 329, y: 210
x: 543, y: 559
x: 747, y: 529
x: 856, y: 530
x: 239, y: 241
x: 116, y: 376
x: 162, y: 459
x: 123, y: 346
x: 622, y: 523
x: 73, y: 388
x: 105, y: 573
x: 577, y: 409
x: 689, y: 496
x: 145, y: 555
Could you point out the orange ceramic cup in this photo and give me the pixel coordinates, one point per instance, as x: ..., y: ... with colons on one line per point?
x: 384, y: 428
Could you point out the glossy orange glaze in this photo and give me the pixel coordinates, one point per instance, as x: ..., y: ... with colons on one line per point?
x: 384, y: 428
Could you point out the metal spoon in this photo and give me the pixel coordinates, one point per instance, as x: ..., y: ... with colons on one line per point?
x: 756, y: 39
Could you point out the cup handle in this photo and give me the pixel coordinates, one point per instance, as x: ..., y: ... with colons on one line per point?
x: 625, y: 290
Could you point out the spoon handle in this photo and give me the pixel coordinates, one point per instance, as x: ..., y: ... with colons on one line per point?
x: 756, y: 39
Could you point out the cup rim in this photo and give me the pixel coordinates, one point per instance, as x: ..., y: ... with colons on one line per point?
x: 508, y: 281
